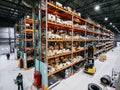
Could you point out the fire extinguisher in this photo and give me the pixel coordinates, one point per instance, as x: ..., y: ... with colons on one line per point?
x: 21, y: 63
x: 37, y: 79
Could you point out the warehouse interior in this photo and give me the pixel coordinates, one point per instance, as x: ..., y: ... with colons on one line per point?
x: 60, y: 44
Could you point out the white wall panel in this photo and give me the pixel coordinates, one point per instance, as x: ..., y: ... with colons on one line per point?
x: 5, y: 34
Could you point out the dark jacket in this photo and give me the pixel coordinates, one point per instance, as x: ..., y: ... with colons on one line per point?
x: 19, y: 79
x: 8, y: 55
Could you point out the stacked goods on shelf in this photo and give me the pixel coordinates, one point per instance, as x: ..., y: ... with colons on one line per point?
x: 109, y: 45
x: 65, y: 37
x: 103, y: 44
x: 60, y: 50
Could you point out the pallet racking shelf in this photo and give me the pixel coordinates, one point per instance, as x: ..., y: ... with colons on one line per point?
x: 59, y: 37
x: 28, y: 42
x: 25, y: 49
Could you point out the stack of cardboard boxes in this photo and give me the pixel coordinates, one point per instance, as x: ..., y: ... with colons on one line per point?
x: 102, y: 57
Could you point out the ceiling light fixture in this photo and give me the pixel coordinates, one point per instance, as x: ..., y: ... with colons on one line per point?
x: 113, y: 25
x: 97, y: 8
x: 106, y: 18
x: 110, y: 23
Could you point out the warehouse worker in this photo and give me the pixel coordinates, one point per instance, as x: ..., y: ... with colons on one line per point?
x: 13, y: 50
x: 89, y: 64
x: 19, y: 80
x: 8, y: 56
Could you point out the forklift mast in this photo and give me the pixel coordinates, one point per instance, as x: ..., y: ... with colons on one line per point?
x: 90, y: 51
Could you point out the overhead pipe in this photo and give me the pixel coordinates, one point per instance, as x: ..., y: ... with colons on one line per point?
x: 26, y: 4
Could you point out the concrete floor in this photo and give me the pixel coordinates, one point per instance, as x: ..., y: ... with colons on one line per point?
x: 4, y: 49
x: 9, y: 70
x: 81, y: 80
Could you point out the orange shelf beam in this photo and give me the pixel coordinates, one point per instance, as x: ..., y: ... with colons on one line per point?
x: 28, y: 30
x: 28, y: 20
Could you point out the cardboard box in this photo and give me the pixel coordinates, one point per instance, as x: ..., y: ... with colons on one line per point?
x: 103, y: 57
x: 58, y: 4
x: 79, y: 14
x: 57, y: 60
x: 69, y: 9
x: 56, y: 46
x: 61, y: 45
x: 49, y: 17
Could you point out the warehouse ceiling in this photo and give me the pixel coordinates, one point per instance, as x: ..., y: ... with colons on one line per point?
x: 12, y: 10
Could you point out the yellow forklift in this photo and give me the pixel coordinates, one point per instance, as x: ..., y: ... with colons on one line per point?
x: 89, y: 64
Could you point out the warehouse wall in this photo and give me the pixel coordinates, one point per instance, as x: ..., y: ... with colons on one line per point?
x: 117, y: 37
x: 4, y: 22
x: 6, y: 39
x: 118, y: 44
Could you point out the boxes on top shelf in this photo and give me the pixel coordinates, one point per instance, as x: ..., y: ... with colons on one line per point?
x: 59, y: 4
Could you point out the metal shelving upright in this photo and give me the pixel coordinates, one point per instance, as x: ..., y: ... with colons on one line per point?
x: 18, y: 41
